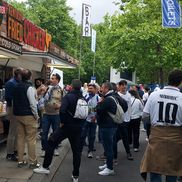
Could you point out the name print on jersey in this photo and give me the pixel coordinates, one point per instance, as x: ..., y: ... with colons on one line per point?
x: 168, y: 97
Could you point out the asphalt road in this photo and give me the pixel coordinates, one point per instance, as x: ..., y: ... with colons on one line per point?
x: 126, y: 171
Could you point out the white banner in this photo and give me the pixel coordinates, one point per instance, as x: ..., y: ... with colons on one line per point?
x: 93, y: 45
x: 86, y: 16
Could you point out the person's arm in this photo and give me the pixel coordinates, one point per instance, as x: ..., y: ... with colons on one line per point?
x: 9, y: 86
x: 146, y: 117
x: 31, y: 92
x: 64, y: 109
x: 104, y: 105
x: 146, y: 111
x: 141, y: 106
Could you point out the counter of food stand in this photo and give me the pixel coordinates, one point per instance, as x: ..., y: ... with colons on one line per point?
x: 4, y: 125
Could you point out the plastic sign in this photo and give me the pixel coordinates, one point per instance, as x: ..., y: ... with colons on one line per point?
x: 171, y: 14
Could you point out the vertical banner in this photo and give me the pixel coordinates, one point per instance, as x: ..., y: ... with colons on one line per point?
x: 86, y: 17
x: 171, y: 14
x: 93, y: 44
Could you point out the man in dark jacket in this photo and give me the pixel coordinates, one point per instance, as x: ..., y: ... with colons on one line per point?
x: 25, y: 110
x: 70, y: 128
x: 12, y: 135
x: 107, y: 126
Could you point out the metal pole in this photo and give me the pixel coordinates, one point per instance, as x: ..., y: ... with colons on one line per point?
x: 81, y: 41
x: 94, y: 65
x: 80, y: 61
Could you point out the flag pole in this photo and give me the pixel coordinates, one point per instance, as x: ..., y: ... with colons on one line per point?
x: 94, y: 65
x: 80, y: 61
x: 81, y: 42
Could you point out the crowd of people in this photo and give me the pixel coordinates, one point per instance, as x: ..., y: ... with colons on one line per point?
x: 52, y: 109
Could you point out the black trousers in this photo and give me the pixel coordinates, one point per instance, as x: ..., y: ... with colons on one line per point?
x: 121, y: 133
x: 74, y: 136
x: 134, y: 132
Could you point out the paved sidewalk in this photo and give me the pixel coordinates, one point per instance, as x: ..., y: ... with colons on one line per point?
x: 9, y: 172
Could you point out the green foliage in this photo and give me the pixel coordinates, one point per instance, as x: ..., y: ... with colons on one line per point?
x: 53, y: 15
x: 135, y: 37
x: 138, y: 38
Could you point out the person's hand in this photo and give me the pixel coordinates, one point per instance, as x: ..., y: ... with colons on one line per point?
x: 61, y: 125
x: 56, y: 106
x: 93, y: 119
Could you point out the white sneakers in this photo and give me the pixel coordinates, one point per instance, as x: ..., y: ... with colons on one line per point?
x: 103, y: 167
x: 56, y: 152
x: 74, y: 179
x: 90, y: 155
x: 41, y: 170
x: 136, y: 149
x: 106, y: 172
x: 42, y: 153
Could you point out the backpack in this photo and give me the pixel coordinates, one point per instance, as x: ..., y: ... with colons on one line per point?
x: 119, y: 116
x: 81, y: 111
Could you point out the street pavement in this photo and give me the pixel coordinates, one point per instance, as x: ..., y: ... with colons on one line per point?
x: 61, y: 167
x: 9, y: 172
x: 126, y: 171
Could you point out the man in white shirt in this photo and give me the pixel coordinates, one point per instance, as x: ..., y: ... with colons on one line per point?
x: 122, y: 130
x: 163, y: 155
x: 90, y: 125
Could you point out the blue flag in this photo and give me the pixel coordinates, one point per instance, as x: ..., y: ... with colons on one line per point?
x: 171, y: 14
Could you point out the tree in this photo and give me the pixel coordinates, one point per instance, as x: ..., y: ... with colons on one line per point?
x: 138, y: 38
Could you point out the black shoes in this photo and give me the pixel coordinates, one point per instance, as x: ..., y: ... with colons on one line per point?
x: 130, y: 157
x: 11, y: 157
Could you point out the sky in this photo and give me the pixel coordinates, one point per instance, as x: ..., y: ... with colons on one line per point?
x: 99, y: 8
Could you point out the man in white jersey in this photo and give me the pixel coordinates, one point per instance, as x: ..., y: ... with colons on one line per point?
x: 163, y: 155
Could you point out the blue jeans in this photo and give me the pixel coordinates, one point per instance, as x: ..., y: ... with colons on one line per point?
x: 89, y: 129
x: 47, y: 122
x: 107, y: 137
x: 154, y: 177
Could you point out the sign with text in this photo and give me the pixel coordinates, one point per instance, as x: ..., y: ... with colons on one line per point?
x: 23, y: 31
x: 5, y: 43
x: 93, y: 79
x: 93, y: 44
x: 57, y: 51
x: 171, y: 14
x: 86, y: 17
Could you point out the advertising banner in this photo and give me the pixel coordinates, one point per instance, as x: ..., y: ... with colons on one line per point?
x: 171, y: 14
x: 86, y: 17
x: 93, y: 44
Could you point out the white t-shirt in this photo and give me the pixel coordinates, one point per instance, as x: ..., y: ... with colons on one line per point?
x: 127, y: 98
x: 145, y: 97
x: 136, y: 108
x: 165, y: 107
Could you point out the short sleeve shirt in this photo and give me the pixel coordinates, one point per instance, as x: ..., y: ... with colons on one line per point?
x: 165, y: 107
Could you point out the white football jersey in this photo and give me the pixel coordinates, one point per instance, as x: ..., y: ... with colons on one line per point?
x: 165, y: 107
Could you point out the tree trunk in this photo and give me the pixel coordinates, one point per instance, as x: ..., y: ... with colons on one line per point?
x: 161, y: 76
